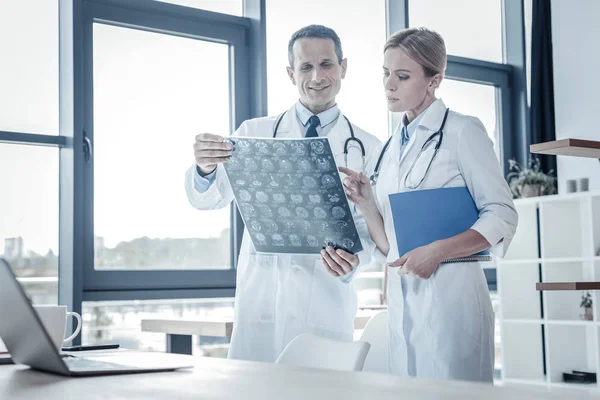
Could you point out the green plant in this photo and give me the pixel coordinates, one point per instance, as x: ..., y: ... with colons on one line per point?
x: 586, y: 300
x: 533, y: 177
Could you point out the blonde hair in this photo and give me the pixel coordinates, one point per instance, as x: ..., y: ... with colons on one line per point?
x: 423, y: 45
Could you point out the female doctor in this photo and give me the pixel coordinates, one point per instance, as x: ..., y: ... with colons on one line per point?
x: 441, y: 321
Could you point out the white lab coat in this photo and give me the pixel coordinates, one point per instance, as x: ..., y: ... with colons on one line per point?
x: 280, y: 296
x: 443, y: 327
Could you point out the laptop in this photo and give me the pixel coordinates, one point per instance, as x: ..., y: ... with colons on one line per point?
x: 28, y: 342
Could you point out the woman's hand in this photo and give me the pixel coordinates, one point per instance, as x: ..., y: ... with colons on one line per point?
x: 358, y: 188
x: 421, y: 262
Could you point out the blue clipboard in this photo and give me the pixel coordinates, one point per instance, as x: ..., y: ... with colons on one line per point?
x: 422, y: 217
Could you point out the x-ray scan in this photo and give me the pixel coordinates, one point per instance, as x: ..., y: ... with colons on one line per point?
x: 290, y: 195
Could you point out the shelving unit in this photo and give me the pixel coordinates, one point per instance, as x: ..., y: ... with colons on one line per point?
x: 542, y: 333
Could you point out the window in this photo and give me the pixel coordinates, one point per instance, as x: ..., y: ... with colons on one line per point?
x: 29, y: 69
x: 472, y: 99
x: 369, y: 285
x: 528, y: 21
x: 153, y: 93
x: 362, y: 97
x: 120, y: 322
x: 29, y: 215
x: 233, y: 7
x: 470, y: 28
x: 497, y: 331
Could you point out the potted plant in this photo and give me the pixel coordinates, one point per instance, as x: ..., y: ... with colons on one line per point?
x: 586, y: 313
x: 531, y: 181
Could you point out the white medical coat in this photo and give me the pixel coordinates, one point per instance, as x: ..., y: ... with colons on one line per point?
x: 279, y: 296
x: 443, y: 327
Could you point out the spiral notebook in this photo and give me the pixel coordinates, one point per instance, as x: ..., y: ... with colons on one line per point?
x: 422, y: 217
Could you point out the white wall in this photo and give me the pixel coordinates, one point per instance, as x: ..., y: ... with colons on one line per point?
x: 576, y: 54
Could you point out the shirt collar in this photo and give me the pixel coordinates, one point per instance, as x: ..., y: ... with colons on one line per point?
x: 326, y: 117
x: 428, y: 118
x: 414, y: 124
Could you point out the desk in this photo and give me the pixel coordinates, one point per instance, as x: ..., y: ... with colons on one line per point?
x: 180, y: 330
x: 218, y: 379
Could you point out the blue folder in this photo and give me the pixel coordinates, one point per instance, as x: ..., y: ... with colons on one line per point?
x: 423, y: 216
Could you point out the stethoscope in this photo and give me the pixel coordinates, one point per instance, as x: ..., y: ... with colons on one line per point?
x: 347, y: 143
x: 427, y: 143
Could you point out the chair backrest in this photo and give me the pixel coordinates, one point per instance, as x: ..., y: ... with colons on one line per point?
x: 313, y: 351
x: 377, y: 335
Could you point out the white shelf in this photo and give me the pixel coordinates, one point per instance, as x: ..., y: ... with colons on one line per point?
x: 566, y: 230
x: 570, y: 322
x: 550, y: 322
x: 520, y: 261
x: 566, y: 260
x: 548, y: 260
x: 593, y: 387
x: 522, y: 321
x: 576, y: 386
x: 540, y: 382
x: 577, y: 196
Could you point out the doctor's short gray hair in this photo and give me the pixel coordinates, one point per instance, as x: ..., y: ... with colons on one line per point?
x: 317, y: 32
x: 423, y: 45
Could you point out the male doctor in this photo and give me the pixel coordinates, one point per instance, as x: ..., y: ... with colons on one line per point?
x: 280, y: 296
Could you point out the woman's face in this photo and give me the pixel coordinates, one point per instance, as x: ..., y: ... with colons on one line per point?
x: 406, y: 86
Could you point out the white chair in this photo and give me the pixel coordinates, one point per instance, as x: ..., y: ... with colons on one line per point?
x: 377, y: 335
x: 313, y: 351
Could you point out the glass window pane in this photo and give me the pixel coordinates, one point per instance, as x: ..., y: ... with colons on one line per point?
x: 495, y: 297
x: 471, y: 28
x: 152, y: 94
x: 29, y: 67
x: 369, y: 285
x: 475, y: 100
x: 232, y: 7
x: 362, y: 98
x: 29, y: 218
x: 527, y: 16
x: 120, y: 322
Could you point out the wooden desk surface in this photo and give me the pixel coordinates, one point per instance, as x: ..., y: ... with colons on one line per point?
x: 229, y: 379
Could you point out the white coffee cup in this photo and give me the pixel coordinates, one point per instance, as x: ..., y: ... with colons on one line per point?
x: 54, y: 319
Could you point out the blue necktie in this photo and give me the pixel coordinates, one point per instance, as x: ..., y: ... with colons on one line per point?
x: 312, y: 128
x: 404, y: 138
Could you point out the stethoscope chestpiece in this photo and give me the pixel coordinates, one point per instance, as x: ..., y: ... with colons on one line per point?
x: 373, y: 179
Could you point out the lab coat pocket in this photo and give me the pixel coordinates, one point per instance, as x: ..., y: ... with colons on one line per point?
x: 332, y: 302
x: 257, y: 289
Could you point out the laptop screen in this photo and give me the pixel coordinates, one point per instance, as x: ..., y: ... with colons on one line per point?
x: 21, y: 329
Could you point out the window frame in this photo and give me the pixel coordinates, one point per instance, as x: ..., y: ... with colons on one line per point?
x: 78, y: 279
x: 197, y: 26
x: 35, y: 139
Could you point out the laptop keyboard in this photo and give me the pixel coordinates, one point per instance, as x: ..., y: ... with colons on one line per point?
x: 83, y: 364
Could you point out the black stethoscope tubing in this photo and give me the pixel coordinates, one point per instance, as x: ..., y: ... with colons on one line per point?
x: 346, y: 143
x: 440, y: 131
